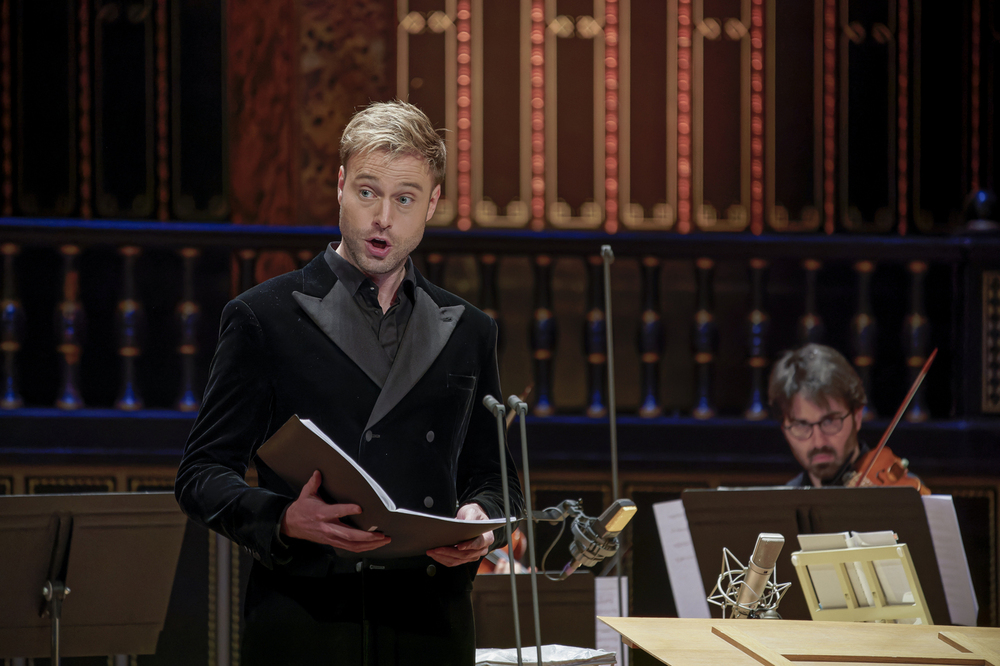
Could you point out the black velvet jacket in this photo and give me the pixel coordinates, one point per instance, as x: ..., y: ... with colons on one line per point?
x: 417, y: 426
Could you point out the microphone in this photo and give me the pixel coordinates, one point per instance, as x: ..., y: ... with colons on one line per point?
x: 492, y: 404
x: 758, y: 573
x: 596, y: 539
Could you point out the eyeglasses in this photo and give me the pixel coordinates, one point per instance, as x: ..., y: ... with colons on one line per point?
x: 828, y: 425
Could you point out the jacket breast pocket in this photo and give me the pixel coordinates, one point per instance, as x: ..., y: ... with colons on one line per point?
x: 462, y: 389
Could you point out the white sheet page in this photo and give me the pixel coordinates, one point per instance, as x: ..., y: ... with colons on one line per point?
x: 963, y: 607
x: 682, y: 563
x: 606, y: 605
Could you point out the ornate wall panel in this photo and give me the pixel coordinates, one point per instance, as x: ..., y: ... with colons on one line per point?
x: 199, y: 124
x: 502, y: 125
x: 262, y: 54
x: 427, y: 75
x: 574, y: 113
x: 869, y: 165
x: 945, y: 114
x: 124, y: 107
x: 795, y: 114
x: 647, y: 142
x: 45, y: 96
x: 347, y: 60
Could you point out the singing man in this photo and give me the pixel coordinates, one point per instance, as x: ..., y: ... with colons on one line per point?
x: 394, y: 369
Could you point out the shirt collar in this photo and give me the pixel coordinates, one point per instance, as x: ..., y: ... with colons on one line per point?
x: 354, y: 279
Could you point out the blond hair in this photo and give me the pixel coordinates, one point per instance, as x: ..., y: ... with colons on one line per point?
x: 398, y: 128
x: 817, y: 372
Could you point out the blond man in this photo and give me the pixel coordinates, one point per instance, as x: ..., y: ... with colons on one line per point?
x: 393, y: 369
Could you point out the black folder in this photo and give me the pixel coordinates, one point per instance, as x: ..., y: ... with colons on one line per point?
x: 299, y: 448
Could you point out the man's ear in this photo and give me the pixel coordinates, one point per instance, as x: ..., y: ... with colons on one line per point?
x: 432, y: 205
x: 856, y: 415
x: 340, y: 185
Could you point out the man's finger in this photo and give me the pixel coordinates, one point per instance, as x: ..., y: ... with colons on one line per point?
x: 312, y: 485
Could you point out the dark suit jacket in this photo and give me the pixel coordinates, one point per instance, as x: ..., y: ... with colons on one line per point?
x: 417, y: 425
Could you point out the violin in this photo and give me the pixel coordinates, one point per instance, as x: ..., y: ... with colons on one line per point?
x: 882, y: 467
x: 519, y: 542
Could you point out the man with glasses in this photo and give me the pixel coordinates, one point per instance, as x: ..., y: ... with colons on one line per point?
x: 819, y: 398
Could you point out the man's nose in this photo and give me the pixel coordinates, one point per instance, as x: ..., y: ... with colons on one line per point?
x: 383, y: 214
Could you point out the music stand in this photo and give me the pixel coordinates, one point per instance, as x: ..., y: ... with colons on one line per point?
x: 733, y: 518
x: 116, y: 554
x: 867, y: 557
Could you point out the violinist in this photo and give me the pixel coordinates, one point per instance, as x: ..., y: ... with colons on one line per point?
x: 819, y: 399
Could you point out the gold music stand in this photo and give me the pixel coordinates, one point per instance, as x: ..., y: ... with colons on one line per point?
x: 881, y: 610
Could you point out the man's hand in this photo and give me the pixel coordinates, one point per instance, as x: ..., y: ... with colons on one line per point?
x: 467, y: 551
x: 312, y: 519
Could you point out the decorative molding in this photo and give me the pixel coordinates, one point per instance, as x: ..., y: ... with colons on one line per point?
x: 991, y: 342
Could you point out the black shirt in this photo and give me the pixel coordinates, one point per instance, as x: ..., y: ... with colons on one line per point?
x: 388, y: 326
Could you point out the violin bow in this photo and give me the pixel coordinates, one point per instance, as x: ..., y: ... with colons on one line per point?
x: 899, y: 413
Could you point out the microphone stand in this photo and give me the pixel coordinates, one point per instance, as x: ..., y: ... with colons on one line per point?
x: 498, y: 410
x: 608, y: 257
x: 521, y: 409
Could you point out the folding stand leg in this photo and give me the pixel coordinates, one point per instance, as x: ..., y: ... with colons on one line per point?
x: 54, y: 593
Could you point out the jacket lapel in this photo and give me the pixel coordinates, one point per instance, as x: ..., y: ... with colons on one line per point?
x: 428, y: 331
x: 360, y: 346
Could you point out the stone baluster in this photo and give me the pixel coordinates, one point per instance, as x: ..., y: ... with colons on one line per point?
x: 129, y: 325
x: 704, y: 340
x: 758, y: 332
x: 246, y: 270
x: 11, y: 330
x: 543, y: 336
x: 435, y: 268
x: 916, y: 341
x: 811, y: 327
x: 651, y: 340
x: 864, y: 333
x: 188, y: 316
x: 70, y: 321
x: 489, y: 289
x: 595, y: 339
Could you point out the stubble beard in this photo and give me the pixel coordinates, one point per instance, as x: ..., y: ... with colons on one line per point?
x: 355, y: 247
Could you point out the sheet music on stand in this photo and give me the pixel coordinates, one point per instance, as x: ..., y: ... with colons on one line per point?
x: 721, y: 517
x: 826, y: 583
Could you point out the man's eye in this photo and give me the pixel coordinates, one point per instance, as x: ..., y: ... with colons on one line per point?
x: 826, y: 422
x: 367, y: 194
x: 405, y: 200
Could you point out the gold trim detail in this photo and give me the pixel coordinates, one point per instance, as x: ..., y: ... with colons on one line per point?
x: 485, y: 212
x: 991, y: 342
x: 212, y: 633
x: 591, y: 213
x: 91, y: 483
x: 440, y: 23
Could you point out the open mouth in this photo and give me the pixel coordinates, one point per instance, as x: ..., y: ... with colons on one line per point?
x: 379, y: 243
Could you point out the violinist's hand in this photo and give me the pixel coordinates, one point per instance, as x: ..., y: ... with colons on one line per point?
x: 312, y: 519
x: 467, y: 551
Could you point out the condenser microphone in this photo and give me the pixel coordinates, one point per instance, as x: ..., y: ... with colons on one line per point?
x: 765, y: 554
x: 594, y: 540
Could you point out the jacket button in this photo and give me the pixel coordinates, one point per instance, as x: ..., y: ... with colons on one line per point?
x: 368, y: 436
x: 430, y: 435
x: 428, y: 501
x: 431, y: 570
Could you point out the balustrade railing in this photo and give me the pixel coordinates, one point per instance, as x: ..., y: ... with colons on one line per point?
x: 803, y: 303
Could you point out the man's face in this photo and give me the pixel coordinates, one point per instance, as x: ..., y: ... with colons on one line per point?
x: 385, y: 202
x: 822, y: 454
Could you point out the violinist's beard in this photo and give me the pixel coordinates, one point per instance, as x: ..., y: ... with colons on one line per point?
x: 825, y: 470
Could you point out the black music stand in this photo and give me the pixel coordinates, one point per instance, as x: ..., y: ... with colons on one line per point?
x: 116, y: 553
x: 733, y: 518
